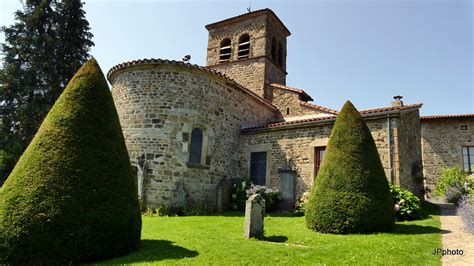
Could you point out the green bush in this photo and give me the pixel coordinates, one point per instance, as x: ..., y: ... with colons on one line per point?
x: 450, y: 177
x: 407, y: 205
x: 72, y: 197
x: 351, y: 193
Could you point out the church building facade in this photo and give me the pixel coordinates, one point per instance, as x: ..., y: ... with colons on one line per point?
x: 191, y: 129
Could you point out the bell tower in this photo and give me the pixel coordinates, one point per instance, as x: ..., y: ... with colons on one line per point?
x: 251, y: 49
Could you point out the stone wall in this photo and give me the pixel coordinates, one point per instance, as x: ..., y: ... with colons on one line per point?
x: 255, y: 27
x: 288, y: 102
x: 160, y: 104
x: 259, y: 69
x: 295, y: 145
x: 249, y: 73
x: 442, y: 142
x: 409, y: 163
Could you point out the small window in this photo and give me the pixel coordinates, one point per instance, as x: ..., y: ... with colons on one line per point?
x: 258, y: 168
x: 225, y: 50
x: 274, y: 50
x: 280, y: 54
x: 463, y: 127
x: 196, y: 146
x: 318, y: 158
x: 468, y: 158
x: 287, y: 110
x: 244, y: 46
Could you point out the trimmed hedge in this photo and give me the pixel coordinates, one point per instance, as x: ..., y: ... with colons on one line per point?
x: 72, y: 197
x: 351, y: 193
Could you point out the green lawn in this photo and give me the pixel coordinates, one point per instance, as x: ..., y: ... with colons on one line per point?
x: 219, y: 240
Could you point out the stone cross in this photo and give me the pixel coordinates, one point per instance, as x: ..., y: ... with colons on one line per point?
x: 254, y: 214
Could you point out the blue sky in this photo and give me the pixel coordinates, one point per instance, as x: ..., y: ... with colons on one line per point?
x: 364, y: 51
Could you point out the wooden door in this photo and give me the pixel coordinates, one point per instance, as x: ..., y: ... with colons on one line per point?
x: 318, y: 158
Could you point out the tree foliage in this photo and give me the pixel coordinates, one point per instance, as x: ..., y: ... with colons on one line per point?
x: 351, y: 193
x: 72, y: 196
x: 46, y: 45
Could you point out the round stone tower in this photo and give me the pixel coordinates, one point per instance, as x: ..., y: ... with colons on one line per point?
x: 182, y: 125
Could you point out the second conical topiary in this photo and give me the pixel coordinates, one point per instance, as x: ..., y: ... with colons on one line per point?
x: 351, y: 193
x: 72, y: 197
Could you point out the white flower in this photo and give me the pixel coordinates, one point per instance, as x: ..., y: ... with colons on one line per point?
x: 396, y: 207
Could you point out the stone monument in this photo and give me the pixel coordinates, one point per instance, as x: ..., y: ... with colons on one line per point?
x: 254, y: 214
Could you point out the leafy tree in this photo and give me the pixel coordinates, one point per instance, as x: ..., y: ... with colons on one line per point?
x: 43, y: 49
x: 351, y: 193
x: 72, y: 196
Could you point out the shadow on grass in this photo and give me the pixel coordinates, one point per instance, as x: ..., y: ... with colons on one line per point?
x: 242, y: 214
x: 276, y: 239
x: 413, y: 229
x: 430, y: 209
x: 228, y: 214
x: 156, y: 250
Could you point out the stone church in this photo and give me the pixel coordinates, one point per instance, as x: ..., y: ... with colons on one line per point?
x: 191, y: 129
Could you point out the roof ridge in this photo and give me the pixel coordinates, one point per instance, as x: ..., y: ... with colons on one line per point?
x: 390, y: 108
x: 307, y: 120
x: 111, y: 72
x: 446, y: 116
x: 319, y: 107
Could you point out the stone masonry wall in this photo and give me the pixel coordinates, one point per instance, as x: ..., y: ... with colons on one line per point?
x: 284, y: 99
x: 409, y: 161
x: 442, y: 142
x: 249, y: 73
x: 255, y: 28
x: 257, y: 70
x: 160, y: 104
x: 297, y: 145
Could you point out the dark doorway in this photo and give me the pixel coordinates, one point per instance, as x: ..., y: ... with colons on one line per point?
x: 258, y: 167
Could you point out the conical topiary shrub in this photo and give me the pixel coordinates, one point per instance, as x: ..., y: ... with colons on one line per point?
x: 72, y: 197
x: 351, y: 193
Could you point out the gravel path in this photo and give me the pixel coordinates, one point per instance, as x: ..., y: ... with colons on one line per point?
x: 455, y: 237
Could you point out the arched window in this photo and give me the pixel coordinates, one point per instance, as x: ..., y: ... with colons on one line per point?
x: 280, y: 54
x: 196, y: 146
x: 244, y: 46
x: 274, y: 50
x: 225, y: 50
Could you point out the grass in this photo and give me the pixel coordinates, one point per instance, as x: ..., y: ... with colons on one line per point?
x: 219, y: 240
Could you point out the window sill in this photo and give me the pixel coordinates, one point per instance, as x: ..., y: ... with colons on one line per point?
x: 198, y: 166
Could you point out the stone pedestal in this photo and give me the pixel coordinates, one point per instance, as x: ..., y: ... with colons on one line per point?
x: 179, y: 197
x: 254, y: 214
x: 287, y: 187
x: 223, y: 195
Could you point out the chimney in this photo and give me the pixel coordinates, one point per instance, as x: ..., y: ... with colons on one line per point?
x: 397, y: 101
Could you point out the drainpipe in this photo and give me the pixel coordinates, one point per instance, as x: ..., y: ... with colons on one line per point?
x: 390, y: 163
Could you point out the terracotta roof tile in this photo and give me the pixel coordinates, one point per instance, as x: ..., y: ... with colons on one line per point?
x: 431, y: 117
x: 390, y: 108
x: 111, y: 73
x: 329, y: 118
x: 300, y: 91
x: 319, y: 107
